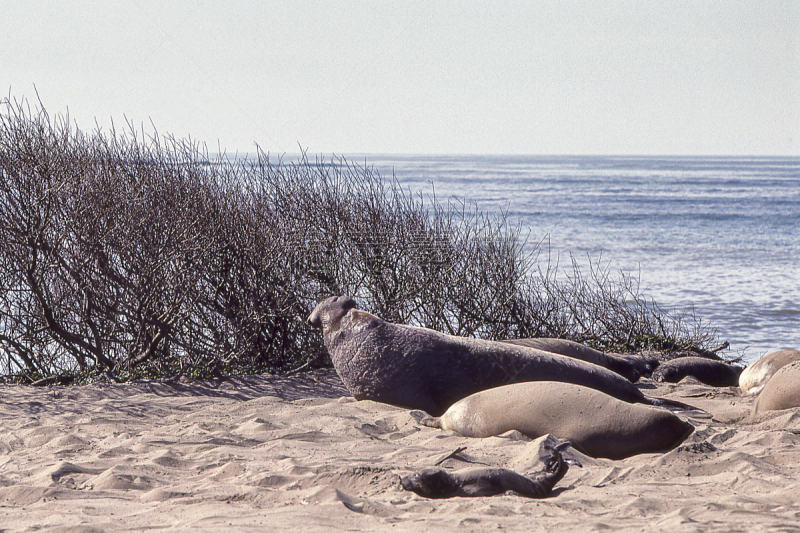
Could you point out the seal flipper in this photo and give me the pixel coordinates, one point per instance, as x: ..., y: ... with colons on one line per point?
x: 674, y: 405
x: 551, y: 463
x: 555, y: 468
x: 425, y: 419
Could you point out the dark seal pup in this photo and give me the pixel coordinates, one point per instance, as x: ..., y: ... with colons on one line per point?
x: 437, y: 483
x: 420, y: 368
x: 632, y: 368
x: 708, y: 371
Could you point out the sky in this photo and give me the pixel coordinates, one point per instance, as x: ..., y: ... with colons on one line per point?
x: 420, y: 76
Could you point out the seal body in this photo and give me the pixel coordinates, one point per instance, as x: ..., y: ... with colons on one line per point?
x: 423, y: 369
x: 438, y: 483
x: 632, y: 368
x: 755, y: 376
x: 595, y: 423
x: 708, y: 371
x: 782, y: 391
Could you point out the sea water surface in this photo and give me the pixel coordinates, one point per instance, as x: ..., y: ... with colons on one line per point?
x: 719, y: 235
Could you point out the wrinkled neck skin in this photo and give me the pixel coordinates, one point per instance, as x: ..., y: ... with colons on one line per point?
x: 344, y: 340
x: 338, y: 331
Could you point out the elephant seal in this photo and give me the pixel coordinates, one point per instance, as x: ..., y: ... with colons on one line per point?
x: 708, y: 371
x: 595, y: 423
x: 437, y: 483
x: 420, y: 368
x: 755, y: 376
x: 782, y: 391
x: 632, y: 368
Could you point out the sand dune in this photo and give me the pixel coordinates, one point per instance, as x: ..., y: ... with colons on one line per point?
x: 298, y: 454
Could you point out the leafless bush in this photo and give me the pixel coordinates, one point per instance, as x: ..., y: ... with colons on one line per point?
x: 611, y: 314
x: 136, y: 255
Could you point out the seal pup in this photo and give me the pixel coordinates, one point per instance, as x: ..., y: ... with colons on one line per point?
x: 755, y: 376
x: 708, y: 371
x: 487, y: 481
x: 782, y: 391
x: 632, y: 368
x: 595, y: 423
x: 419, y: 368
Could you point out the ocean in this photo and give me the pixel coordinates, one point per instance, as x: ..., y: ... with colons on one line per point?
x: 716, y: 235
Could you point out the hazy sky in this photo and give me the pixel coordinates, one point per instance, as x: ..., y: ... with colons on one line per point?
x: 442, y: 77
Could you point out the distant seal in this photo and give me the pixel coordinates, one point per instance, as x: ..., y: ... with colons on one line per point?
x: 708, y: 371
x: 437, y: 483
x: 782, y: 391
x: 423, y: 369
x: 595, y: 423
x: 757, y: 374
x: 631, y: 368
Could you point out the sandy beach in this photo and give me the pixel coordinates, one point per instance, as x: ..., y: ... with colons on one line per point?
x: 265, y: 453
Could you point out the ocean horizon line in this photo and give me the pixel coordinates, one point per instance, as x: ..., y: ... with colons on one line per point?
x: 350, y: 156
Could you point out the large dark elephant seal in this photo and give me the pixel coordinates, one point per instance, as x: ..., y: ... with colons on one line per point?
x: 708, y: 371
x: 757, y: 374
x: 782, y: 391
x: 487, y: 481
x: 423, y: 369
x: 595, y: 423
x: 631, y: 368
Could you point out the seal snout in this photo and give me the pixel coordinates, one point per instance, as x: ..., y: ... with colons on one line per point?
x: 409, y: 483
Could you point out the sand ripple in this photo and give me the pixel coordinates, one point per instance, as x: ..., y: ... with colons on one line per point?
x: 285, y: 454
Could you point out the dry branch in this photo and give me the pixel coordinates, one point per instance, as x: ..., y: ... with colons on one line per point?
x: 140, y: 256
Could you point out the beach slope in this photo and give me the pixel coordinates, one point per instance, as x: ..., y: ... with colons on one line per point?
x: 265, y: 453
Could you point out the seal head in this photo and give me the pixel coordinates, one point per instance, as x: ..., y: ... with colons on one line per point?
x: 329, y: 313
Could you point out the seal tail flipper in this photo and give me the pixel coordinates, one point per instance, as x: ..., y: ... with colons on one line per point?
x: 676, y: 406
x: 569, y: 460
x: 555, y: 467
x: 425, y: 419
x: 552, y: 462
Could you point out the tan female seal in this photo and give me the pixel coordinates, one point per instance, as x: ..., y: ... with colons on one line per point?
x: 482, y: 481
x: 755, y: 376
x: 782, y: 391
x: 595, y: 423
x: 423, y: 369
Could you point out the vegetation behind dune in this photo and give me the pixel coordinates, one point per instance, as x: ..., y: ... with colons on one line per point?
x: 130, y: 255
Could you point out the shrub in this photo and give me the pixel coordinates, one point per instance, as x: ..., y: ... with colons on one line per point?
x: 137, y: 255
